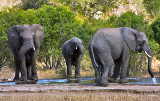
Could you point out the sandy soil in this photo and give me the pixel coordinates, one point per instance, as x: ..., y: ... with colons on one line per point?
x: 77, y: 92
x: 75, y: 87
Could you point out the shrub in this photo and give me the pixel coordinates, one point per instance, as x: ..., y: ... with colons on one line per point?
x: 130, y: 19
x: 152, y: 7
x: 156, y: 29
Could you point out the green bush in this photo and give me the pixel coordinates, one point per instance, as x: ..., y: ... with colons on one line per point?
x: 152, y: 7
x: 156, y: 29
x: 129, y: 19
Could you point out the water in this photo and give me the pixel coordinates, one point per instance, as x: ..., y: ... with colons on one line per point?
x: 83, y: 80
x: 154, y: 80
x: 146, y: 81
x: 90, y: 80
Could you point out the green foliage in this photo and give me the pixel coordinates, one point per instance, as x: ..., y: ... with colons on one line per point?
x: 90, y: 7
x: 128, y: 19
x: 156, y: 29
x: 152, y: 7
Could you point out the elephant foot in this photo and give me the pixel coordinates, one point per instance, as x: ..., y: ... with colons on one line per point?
x: 113, y: 80
x: 77, y: 76
x: 26, y: 82
x: 70, y: 80
x: 68, y: 77
x: 31, y: 81
x: 34, y: 78
x: 21, y: 82
x: 124, y: 80
x: 16, y: 79
x: 102, y: 83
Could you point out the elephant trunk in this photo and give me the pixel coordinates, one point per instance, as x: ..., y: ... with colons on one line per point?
x: 27, y: 46
x: 148, y: 52
x: 149, y: 67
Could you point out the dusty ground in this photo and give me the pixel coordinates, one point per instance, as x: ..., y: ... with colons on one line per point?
x: 72, y: 92
x: 75, y: 87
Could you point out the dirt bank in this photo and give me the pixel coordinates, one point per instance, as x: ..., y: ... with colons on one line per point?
x: 72, y: 92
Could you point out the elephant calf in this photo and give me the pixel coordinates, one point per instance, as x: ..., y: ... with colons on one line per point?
x: 109, y: 52
x: 72, y: 51
x: 24, y: 42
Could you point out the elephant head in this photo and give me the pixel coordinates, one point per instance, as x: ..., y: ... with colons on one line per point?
x: 29, y: 37
x: 76, y: 44
x: 72, y: 51
x: 137, y: 41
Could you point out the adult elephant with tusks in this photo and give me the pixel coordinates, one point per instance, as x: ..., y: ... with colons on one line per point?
x: 24, y: 42
x: 72, y: 51
x: 109, y: 52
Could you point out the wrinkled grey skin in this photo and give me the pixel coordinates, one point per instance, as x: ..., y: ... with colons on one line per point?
x: 72, y: 51
x: 109, y: 52
x: 24, y: 42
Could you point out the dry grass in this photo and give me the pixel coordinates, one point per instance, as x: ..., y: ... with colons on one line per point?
x: 7, y: 73
x: 74, y: 96
x: 42, y: 74
x: 8, y: 3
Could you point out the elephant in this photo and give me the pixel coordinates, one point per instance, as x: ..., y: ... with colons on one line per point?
x: 24, y: 42
x: 73, y: 50
x: 109, y: 50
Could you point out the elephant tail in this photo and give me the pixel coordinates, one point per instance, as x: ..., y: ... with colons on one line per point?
x: 95, y: 64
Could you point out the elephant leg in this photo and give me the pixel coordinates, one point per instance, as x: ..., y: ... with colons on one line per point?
x: 33, y: 68
x: 23, y: 69
x: 104, y: 75
x: 124, y: 67
x: 28, y: 65
x: 116, y: 71
x: 29, y: 72
x: 17, y: 69
x: 77, y: 71
x: 69, y: 71
x: 107, y: 66
x: 77, y: 68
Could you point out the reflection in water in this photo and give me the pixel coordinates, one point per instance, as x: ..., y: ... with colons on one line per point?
x: 47, y: 81
x: 154, y: 80
x: 146, y: 81
x: 90, y: 80
x: 54, y: 81
x: 7, y: 83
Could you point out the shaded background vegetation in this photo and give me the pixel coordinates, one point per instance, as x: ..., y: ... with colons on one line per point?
x: 63, y: 19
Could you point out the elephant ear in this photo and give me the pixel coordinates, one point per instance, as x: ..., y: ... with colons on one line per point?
x: 129, y: 36
x: 13, y: 37
x: 38, y: 35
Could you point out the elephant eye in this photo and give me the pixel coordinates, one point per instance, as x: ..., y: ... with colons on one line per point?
x: 139, y: 42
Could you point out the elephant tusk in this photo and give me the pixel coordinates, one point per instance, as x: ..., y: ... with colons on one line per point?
x: 34, y: 49
x: 76, y: 47
x: 147, y: 54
